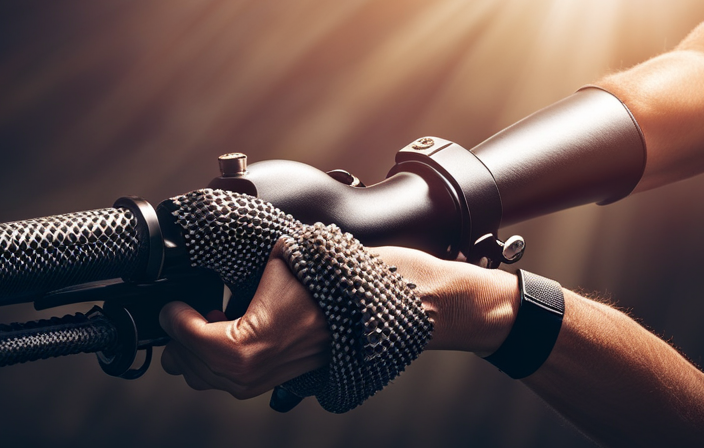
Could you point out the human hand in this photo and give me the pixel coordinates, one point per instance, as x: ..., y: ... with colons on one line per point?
x: 282, y: 335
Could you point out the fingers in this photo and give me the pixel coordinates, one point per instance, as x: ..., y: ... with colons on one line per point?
x: 180, y: 320
x: 169, y: 362
x: 282, y: 335
x: 197, y: 343
x: 186, y: 325
x: 177, y: 360
x: 173, y: 365
x: 187, y: 328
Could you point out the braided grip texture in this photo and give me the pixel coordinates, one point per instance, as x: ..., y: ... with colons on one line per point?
x: 232, y: 234
x: 378, y: 326
x: 67, y: 335
x: 43, y: 254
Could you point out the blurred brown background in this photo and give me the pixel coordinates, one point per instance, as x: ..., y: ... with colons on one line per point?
x: 100, y: 99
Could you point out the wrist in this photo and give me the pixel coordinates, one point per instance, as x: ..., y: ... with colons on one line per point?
x: 473, y: 309
x: 498, y: 314
x: 536, y: 327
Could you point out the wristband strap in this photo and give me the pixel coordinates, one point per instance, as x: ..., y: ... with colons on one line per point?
x: 535, y: 330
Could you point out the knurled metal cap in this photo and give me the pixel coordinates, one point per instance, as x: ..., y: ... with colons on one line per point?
x: 232, y: 164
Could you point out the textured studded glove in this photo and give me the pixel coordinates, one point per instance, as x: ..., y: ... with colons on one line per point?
x: 377, y: 324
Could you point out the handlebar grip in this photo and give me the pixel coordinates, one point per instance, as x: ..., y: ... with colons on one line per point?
x: 44, y: 254
x: 68, y: 335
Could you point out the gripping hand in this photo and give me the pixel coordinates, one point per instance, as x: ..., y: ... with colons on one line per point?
x: 377, y: 325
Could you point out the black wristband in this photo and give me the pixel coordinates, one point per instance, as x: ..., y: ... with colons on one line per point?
x: 535, y: 330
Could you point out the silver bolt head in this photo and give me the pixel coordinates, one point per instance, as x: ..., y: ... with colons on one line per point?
x: 513, y: 248
x: 423, y: 143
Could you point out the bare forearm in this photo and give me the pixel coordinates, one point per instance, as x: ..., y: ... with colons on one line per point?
x: 618, y: 382
x: 666, y: 96
x: 609, y: 376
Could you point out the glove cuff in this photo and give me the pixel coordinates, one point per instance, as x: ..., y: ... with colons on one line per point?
x: 378, y: 325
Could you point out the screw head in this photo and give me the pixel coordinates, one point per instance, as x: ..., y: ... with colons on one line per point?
x: 423, y: 143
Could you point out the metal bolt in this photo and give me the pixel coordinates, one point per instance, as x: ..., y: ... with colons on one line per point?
x: 423, y: 143
x: 232, y: 164
x: 513, y: 248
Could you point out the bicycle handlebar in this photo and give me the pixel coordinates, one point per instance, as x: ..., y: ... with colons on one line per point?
x: 44, y: 254
x: 439, y: 197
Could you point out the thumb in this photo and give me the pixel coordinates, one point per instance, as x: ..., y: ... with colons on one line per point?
x: 184, y: 324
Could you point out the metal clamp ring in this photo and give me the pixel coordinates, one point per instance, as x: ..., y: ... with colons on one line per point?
x: 147, y: 219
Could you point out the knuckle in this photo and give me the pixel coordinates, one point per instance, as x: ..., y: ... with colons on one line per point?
x: 243, y: 356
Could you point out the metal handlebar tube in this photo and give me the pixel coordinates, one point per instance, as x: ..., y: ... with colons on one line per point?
x: 403, y: 210
x: 586, y: 148
x: 472, y: 186
x: 116, y: 255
